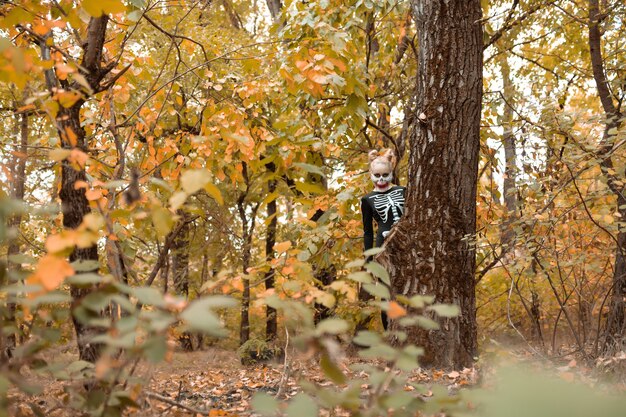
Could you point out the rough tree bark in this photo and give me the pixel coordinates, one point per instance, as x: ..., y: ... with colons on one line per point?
x: 616, y: 322
x: 73, y: 201
x: 430, y: 249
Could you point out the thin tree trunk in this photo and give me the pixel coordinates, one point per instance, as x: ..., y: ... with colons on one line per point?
x: 510, y: 159
x: 247, y: 228
x: 18, y: 172
x: 430, y: 249
x: 271, y: 325
x: 180, y: 270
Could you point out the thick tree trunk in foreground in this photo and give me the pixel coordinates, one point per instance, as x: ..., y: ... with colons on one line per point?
x: 429, y: 251
x: 73, y: 201
x: 615, y: 329
x: 75, y: 206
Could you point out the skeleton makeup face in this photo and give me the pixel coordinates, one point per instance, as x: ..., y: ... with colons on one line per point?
x: 381, y: 175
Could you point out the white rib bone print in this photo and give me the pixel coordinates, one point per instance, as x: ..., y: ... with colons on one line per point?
x: 393, y: 200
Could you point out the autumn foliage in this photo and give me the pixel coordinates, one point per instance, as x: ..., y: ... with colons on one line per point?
x: 178, y: 174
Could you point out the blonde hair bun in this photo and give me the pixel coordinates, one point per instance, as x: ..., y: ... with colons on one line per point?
x: 386, y: 156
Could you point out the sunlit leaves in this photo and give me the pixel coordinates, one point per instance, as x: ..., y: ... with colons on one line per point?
x: 97, y: 8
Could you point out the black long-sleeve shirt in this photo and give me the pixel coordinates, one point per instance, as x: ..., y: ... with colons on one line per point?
x: 386, y: 208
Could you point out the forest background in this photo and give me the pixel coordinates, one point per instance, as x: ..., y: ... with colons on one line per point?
x: 209, y: 157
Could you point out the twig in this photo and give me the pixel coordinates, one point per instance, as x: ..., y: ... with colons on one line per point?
x: 286, y: 368
x: 169, y: 401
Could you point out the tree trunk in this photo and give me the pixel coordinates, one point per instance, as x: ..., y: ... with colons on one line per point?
x: 616, y: 322
x: 73, y: 201
x: 430, y: 250
x: 247, y: 228
x: 274, y: 6
x: 510, y: 160
x: 75, y: 206
x: 271, y: 325
x: 18, y: 173
x: 180, y: 271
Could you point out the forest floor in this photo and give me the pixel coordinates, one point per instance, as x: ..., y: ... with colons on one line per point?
x: 213, y: 382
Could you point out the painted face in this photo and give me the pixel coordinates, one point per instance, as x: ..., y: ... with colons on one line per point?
x: 381, y: 175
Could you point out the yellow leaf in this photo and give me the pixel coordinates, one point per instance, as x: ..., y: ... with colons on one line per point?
x: 93, y: 221
x: 163, y: 221
x: 59, y: 154
x: 67, y: 98
x: 51, y: 272
x: 97, y: 8
x: 282, y: 246
x: 177, y: 200
x: 214, y: 192
x: 395, y: 310
x: 193, y: 180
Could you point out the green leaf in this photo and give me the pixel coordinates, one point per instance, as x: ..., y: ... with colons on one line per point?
x: 445, y: 310
x: 361, y: 276
x: 302, y: 406
x: 397, y: 400
x: 21, y: 259
x: 85, y: 266
x: 381, y: 350
x: 332, y: 326
x: 313, y: 169
x: 331, y: 370
x: 4, y: 385
x: 78, y: 366
x: 373, y: 251
x: 84, y: 279
x: 377, y: 290
x: 421, y: 301
x: 148, y: 295
x: 357, y: 263
x: 367, y: 338
x: 426, y: 323
x: 378, y: 270
x: 199, y: 317
x: 50, y: 298
x: 357, y: 104
x: 265, y: 404
x: 155, y: 349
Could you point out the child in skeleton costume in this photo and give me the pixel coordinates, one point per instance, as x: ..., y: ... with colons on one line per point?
x: 386, y: 203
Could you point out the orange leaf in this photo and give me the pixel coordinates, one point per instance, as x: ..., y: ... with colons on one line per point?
x: 60, y: 242
x: 51, y: 272
x: 71, y: 136
x: 78, y: 158
x: 282, y: 246
x: 395, y: 310
x: 93, y: 194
